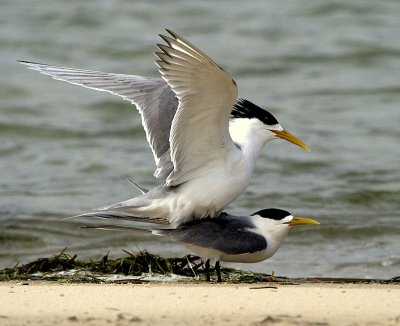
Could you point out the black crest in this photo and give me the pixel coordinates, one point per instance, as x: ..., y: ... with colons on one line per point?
x: 246, y: 109
x: 272, y: 213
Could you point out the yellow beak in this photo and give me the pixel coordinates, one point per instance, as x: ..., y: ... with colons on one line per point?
x: 286, y: 135
x: 301, y: 221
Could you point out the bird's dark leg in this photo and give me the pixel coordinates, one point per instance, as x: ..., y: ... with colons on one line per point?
x: 208, y: 270
x: 218, y: 270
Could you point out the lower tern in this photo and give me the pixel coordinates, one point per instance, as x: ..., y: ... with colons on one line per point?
x: 206, y: 160
x: 228, y: 238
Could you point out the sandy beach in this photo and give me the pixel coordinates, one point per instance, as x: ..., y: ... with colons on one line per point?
x: 44, y: 303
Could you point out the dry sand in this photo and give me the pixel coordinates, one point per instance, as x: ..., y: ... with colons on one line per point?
x: 43, y: 303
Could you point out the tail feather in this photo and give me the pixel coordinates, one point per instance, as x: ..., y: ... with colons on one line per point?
x: 115, y: 228
x: 140, y: 188
x: 136, y: 203
x: 118, y: 216
x: 161, y: 232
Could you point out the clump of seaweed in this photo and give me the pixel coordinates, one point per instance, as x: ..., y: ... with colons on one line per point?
x: 133, y: 264
x: 60, y: 262
x: 144, y: 263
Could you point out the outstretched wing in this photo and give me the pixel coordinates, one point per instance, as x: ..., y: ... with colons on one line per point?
x: 200, y: 129
x: 153, y: 98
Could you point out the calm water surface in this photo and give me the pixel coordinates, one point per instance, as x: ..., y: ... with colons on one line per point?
x: 329, y: 71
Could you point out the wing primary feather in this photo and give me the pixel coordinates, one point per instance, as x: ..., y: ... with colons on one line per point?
x: 190, y: 45
x: 167, y: 39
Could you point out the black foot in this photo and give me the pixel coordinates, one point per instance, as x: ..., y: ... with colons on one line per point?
x: 208, y: 270
x: 218, y: 270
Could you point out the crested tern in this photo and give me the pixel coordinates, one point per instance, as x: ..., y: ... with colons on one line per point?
x: 228, y: 238
x: 206, y: 159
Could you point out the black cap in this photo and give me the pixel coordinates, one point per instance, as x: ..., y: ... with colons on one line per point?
x: 272, y: 213
x: 245, y: 109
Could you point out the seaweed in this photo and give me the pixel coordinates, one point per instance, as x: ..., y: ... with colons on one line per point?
x: 133, y: 264
x: 67, y: 268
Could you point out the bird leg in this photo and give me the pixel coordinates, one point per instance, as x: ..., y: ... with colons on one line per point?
x: 208, y: 270
x: 218, y: 270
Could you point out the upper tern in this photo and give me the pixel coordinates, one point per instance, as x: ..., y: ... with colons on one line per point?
x: 206, y: 159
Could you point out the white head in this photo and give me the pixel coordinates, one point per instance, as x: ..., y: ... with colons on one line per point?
x: 274, y: 225
x: 249, y: 116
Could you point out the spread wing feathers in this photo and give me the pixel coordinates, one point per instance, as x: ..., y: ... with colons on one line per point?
x: 119, y: 216
x: 153, y: 98
x: 206, y: 93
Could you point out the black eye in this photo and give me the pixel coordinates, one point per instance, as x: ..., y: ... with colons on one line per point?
x: 272, y: 213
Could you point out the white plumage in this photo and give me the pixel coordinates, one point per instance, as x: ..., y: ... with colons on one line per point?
x: 207, y: 163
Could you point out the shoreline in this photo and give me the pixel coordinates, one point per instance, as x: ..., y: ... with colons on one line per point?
x: 49, y: 303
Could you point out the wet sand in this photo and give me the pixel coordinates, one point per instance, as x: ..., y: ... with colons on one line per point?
x: 44, y: 303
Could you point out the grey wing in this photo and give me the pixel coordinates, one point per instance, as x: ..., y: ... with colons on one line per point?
x: 153, y: 98
x: 227, y: 236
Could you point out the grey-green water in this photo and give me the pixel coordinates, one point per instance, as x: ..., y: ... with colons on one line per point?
x: 329, y: 71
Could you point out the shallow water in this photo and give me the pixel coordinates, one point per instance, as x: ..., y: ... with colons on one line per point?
x: 329, y: 71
